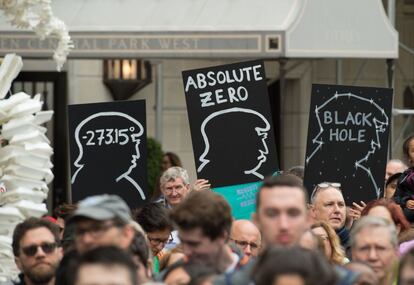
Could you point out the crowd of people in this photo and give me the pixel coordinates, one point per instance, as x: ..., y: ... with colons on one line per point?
x: 187, y: 235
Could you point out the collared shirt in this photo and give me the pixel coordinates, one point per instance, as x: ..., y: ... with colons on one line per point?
x: 234, y: 264
x: 175, y: 241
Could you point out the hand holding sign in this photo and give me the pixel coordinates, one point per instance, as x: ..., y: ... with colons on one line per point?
x: 356, y: 210
x: 201, y: 184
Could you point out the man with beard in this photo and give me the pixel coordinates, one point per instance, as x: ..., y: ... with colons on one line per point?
x: 37, y: 252
x: 204, y: 220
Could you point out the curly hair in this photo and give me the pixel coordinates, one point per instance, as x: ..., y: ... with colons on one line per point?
x: 338, y: 253
x: 395, y: 210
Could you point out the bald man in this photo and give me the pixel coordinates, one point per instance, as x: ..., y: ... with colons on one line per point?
x: 246, y: 236
x: 394, y: 166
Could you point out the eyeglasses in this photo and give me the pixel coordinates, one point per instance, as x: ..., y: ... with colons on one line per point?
x: 94, y: 231
x: 47, y: 247
x: 244, y: 244
x: 157, y: 241
x: 325, y: 185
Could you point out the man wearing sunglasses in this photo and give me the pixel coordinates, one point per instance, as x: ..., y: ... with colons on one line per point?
x: 102, y: 220
x: 36, y: 251
x: 328, y: 205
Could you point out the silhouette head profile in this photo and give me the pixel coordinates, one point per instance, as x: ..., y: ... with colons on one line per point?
x: 356, y: 125
x: 101, y: 135
x: 251, y: 126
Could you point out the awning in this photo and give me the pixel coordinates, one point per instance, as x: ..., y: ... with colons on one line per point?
x: 215, y: 29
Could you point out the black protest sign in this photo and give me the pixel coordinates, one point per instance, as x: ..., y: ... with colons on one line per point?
x: 108, y: 150
x: 230, y: 122
x: 348, y: 139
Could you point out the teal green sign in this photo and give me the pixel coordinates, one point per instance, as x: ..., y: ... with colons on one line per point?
x: 242, y: 198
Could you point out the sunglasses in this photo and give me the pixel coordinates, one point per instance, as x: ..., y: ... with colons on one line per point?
x: 325, y: 185
x: 329, y: 184
x: 47, y: 248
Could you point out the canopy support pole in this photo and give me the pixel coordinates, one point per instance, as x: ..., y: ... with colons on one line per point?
x: 159, y: 102
x: 391, y: 74
x: 339, y: 76
x: 282, y: 86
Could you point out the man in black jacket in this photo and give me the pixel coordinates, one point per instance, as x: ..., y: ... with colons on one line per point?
x: 328, y: 205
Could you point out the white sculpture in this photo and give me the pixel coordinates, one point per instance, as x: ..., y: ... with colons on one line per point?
x: 37, y: 15
x: 25, y: 161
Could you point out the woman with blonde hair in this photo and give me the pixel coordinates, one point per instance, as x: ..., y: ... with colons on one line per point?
x: 333, y: 249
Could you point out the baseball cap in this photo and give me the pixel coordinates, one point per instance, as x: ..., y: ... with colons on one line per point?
x: 102, y: 207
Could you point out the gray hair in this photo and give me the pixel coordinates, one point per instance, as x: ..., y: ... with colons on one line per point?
x: 318, y: 190
x: 173, y: 173
x: 373, y: 222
